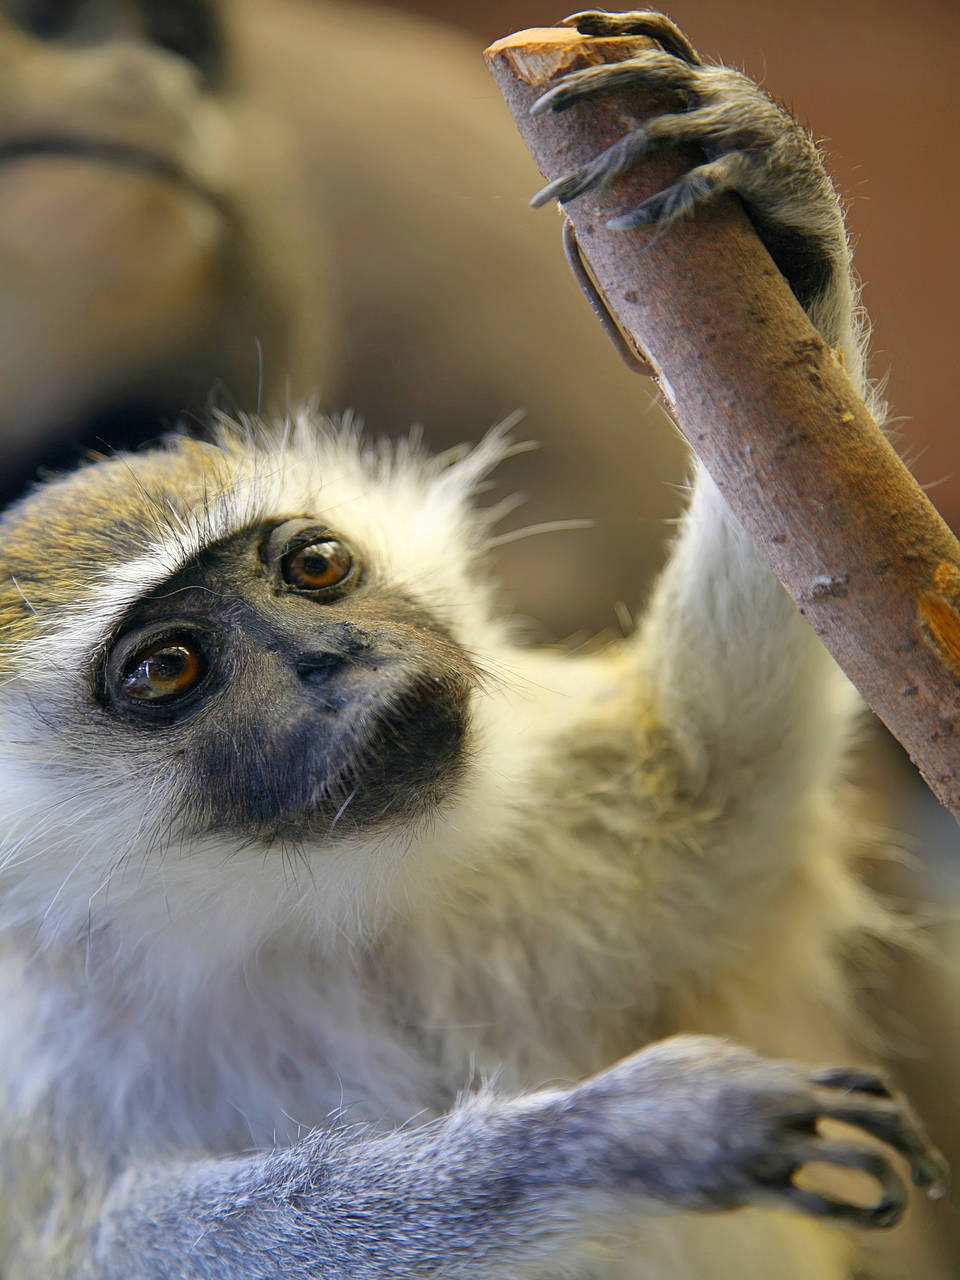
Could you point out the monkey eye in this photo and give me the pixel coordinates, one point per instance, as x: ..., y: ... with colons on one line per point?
x: 317, y: 565
x: 309, y: 558
x: 164, y: 670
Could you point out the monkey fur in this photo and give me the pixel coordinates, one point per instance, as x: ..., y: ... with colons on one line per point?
x: 344, y: 935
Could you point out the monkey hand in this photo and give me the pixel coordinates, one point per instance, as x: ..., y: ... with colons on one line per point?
x: 705, y: 1124
x: 750, y: 146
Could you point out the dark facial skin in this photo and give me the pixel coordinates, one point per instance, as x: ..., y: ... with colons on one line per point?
x: 300, y: 695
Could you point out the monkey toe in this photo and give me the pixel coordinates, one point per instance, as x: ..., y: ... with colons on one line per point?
x: 599, y: 172
x: 646, y: 22
x: 701, y: 185
x: 658, y: 72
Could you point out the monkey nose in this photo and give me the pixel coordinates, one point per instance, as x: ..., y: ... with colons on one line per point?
x: 343, y: 646
x: 317, y: 668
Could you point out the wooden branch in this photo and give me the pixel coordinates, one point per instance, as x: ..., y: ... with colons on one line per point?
x: 766, y: 405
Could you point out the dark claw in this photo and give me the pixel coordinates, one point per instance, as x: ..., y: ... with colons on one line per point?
x: 664, y: 206
x: 592, y: 22
x: 892, y: 1124
x: 852, y: 1080
x: 569, y: 186
x: 893, y: 1193
x: 886, y: 1213
x: 639, y: 217
x: 699, y: 186
x: 599, y: 172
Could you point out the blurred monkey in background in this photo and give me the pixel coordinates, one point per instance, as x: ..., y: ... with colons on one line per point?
x: 254, y: 204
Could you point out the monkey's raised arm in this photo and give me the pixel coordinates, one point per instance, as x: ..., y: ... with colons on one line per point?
x: 764, y: 403
x: 739, y: 680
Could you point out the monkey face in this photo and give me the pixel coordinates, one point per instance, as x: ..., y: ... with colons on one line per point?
x: 214, y: 654
x: 300, y: 694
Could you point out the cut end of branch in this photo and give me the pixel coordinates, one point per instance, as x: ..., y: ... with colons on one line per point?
x: 540, y: 54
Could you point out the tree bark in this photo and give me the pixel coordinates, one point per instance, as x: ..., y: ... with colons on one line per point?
x: 766, y: 405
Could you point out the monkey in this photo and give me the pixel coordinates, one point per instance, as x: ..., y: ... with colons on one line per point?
x: 346, y: 934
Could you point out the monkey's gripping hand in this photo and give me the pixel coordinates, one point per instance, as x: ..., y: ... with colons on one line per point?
x: 500, y: 1186
x: 730, y: 1128
x: 750, y: 146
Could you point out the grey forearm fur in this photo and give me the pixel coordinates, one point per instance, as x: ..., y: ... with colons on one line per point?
x: 481, y: 1188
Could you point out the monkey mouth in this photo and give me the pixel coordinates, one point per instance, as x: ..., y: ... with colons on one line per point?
x: 411, y: 759
x: 406, y: 760
x: 117, y: 155
x: 362, y: 760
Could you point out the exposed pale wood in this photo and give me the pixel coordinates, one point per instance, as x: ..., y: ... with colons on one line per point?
x: 766, y: 405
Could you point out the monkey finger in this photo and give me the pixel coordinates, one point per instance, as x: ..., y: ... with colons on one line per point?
x: 882, y: 1215
x: 599, y: 172
x: 700, y: 186
x: 892, y: 1123
x: 646, y: 22
x: 841, y: 1155
x: 852, y: 1080
x: 656, y: 71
